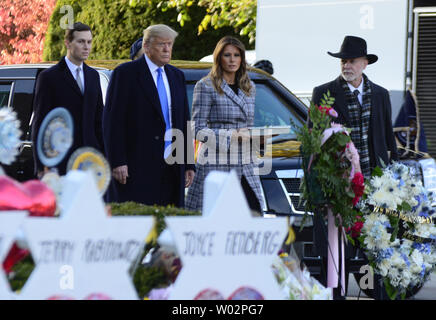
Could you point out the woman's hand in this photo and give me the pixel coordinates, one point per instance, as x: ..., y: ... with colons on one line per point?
x: 189, y: 178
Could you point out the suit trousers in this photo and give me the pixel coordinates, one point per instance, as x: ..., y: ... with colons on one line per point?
x: 252, y: 200
x: 169, y: 185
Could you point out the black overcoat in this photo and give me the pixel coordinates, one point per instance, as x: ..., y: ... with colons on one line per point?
x: 380, y: 139
x: 134, y: 127
x: 56, y: 87
x: 380, y: 134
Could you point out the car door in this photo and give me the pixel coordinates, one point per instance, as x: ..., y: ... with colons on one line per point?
x: 16, y: 92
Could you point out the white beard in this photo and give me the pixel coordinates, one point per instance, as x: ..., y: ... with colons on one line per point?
x: 349, y: 77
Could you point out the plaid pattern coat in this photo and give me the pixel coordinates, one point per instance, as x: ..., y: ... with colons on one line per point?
x: 215, y: 117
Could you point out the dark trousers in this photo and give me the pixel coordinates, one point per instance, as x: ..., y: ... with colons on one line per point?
x: 169, y: 193
x: 252, y: 200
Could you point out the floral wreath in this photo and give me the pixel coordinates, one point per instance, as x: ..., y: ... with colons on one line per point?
x: 398, y: 233
x: 332, y: 175
x: 9, y: 135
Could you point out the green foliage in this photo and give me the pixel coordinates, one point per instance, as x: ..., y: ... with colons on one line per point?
x: 390, y: 290
x: 147, y: 278
x: 326, y: 173
x: 117, y: 24
x: 238, y: 14
x: 20, y: 273
x: 137, y: 209
x: 54, y: 47
x: 377, y: 172
x: 310, y: 136
x: 395, y: 224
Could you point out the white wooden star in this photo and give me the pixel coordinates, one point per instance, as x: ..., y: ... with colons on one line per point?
x: 227, y: 248
x: 84, y: 252
x: 10, y: 221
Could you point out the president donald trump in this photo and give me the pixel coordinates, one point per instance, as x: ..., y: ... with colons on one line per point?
x: 145, y: 98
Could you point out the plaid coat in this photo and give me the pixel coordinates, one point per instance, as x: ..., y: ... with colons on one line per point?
x: 215, y: 117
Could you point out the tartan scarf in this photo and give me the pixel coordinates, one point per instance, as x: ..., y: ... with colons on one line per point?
x: 359, y: 121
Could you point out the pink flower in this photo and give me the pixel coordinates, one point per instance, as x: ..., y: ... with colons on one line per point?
x: 159, y: 294
x: 328, y: 110
x: 332, y: 112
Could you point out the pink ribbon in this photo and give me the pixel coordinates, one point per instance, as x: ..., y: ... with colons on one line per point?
x: 333, y: 255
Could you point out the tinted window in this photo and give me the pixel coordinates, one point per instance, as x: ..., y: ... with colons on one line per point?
x: 22, y: 104
x: 5, y: 92
x: 270, y: 110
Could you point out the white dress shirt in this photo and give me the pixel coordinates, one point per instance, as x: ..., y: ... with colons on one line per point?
x: 73, y: 69
x: 360, y: 88
x: 153, y: 69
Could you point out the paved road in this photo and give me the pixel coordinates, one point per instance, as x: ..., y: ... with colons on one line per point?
x: 428, y: 292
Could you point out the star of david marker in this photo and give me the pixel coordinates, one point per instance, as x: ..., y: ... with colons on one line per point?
x: 84, y: 253
x: 226, y: 249
x: 10, y: 221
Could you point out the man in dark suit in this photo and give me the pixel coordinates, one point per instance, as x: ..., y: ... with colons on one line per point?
x: 75, y: 86
x: 365, y: 108
x: 145, y: 99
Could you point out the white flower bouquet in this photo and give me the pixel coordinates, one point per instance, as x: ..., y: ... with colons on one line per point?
x: 296, y: 283
x: 398, y: 234
x: 9, y: 135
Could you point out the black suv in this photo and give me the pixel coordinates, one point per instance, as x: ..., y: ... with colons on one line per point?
x: 275, y: 106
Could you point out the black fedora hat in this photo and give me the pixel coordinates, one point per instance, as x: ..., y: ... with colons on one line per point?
x: 354, y: 47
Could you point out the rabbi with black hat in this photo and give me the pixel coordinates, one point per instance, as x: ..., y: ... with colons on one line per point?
x: 365, y: 108
x: 362, y: 105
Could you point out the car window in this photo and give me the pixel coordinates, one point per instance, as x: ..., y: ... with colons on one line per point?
x: 5, y: 93
x: 104, y: 82
x: 270, y: 109
x: 22, y: 104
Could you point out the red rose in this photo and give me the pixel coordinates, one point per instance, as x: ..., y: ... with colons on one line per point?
x: 358, y: 187
x: 15, y: 255
x: 356, y: 228
x: 324, y: 109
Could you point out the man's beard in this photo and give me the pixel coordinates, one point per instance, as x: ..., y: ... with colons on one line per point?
x: 349, y: 76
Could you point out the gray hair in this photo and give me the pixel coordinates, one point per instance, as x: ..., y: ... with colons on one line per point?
x: 159, y: 30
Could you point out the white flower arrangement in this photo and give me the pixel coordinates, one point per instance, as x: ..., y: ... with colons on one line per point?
x: 297, y: 284
x: 398, y: 234
x: 9, y: 135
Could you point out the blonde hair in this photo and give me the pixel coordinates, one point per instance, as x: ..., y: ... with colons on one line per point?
x: 216, y: 74
x: 158, y: 30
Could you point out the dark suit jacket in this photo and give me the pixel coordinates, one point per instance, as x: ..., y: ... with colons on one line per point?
x: 133, y: 130
x: 380, y: 139
x: 56, y: 87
